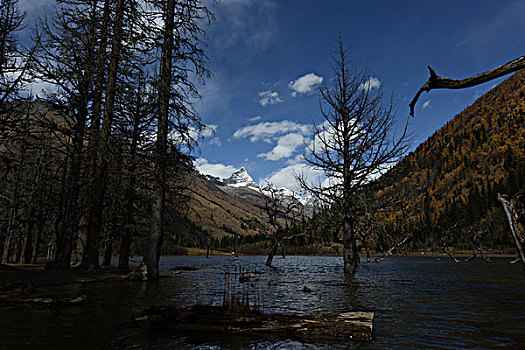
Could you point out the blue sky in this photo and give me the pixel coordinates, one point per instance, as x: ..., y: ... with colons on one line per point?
x: 269, y: 56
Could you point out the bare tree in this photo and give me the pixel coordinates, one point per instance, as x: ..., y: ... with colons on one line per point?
x: 181, y: 54
x: 13, y: 63
x: 65, y: 58
x: 354, y: 145
x: 283, y: 212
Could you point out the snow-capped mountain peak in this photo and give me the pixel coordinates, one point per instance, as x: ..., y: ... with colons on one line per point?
x: 241, y: 178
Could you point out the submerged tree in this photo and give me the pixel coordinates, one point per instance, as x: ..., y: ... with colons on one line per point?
x: 65, y: 59
x: 353, y: 145
x: 280, y: 209
x: 182, y: 58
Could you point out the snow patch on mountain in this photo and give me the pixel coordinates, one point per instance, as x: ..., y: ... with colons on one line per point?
x: 241, y: 179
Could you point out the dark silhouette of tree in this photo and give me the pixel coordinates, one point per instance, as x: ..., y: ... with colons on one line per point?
x: 283, y: 213
x: 65, y: 58
x: 354, y: 145
x: 437, y: 82
x: 182, y: 57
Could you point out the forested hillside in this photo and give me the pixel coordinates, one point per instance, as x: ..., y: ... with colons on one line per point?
x: 458, y: 172
x: 214, y: 215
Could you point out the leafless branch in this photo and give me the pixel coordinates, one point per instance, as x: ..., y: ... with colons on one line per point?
x: 437, y: 82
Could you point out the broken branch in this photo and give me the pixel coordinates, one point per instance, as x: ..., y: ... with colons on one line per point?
x: 437, y: 82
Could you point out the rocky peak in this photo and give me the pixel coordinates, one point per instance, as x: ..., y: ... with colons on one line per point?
x: 241, y: 178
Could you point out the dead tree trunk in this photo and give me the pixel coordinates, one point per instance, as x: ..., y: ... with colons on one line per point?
x: 100, y: 184
x: 68, y: 212
x: 437, y: 82
x: 11, y: 223
x: 128, y: 223
x: 350, y: 255
x: 273, y: 252
x: 108, y: 250
x: 159, y: 188
x: 393, y: 248
x: 515, y: 211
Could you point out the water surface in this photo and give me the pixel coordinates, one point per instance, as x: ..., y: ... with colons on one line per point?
x: 419, y: 302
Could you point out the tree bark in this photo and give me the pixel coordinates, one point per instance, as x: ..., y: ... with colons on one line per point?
x: 437, y: 82
x: 159, y: 190
x: 350, y: 254
x: 27, y: 247
x: 516, y: 219
x: 67, y: 220
x: 108, y: 250
x: 10, y: 234
x: 127, y: 225
x: 273, y: 252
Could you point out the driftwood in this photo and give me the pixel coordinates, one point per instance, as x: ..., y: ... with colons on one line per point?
x: 449, y: 253
x: 185, y: 268
x: 218, y: 319
x: 393, y: 248
x: 473, y: 256
x: 515, y: 211
x: 437, y: 82
x: 139, y: 274
x: 42, y: 302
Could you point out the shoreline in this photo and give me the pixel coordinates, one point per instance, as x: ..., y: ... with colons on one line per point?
x: 459, y: 254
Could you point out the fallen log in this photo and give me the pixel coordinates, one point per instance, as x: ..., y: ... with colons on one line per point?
x: 185, y: 268
x: 219, y: 319
x: 515, y: 211
x: 46, y: 301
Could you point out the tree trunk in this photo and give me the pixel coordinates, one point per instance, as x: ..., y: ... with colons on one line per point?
x: 515, y: 211
x: 36, y: 237
x: 95, y: 227
x: 108, y: 250
x: 273, y: 252
x: 27, y: 246
x: 159, y: 189
x: 68, y: 212
x: 100, y: 145
x: 128, y: 223
x: 350, y: 254
x: 10, y: 235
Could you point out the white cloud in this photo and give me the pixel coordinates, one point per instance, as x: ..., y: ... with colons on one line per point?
x: 254, y: 119
x: 371, y: 83
x: 305, y: 84
x: 286, y: 177
x: 218, y: 170
x: 209, y: 130
x: 425, y: 105
x: 286, y: 146
x: 269, y: 98
x: 192, y: 134
x: 216, y: 142
x: 268, y: 130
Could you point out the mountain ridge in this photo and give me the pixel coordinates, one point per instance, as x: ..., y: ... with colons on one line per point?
x: 477, y: 154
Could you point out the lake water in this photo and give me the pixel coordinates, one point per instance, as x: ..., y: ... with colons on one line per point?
x: 419, y: 302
